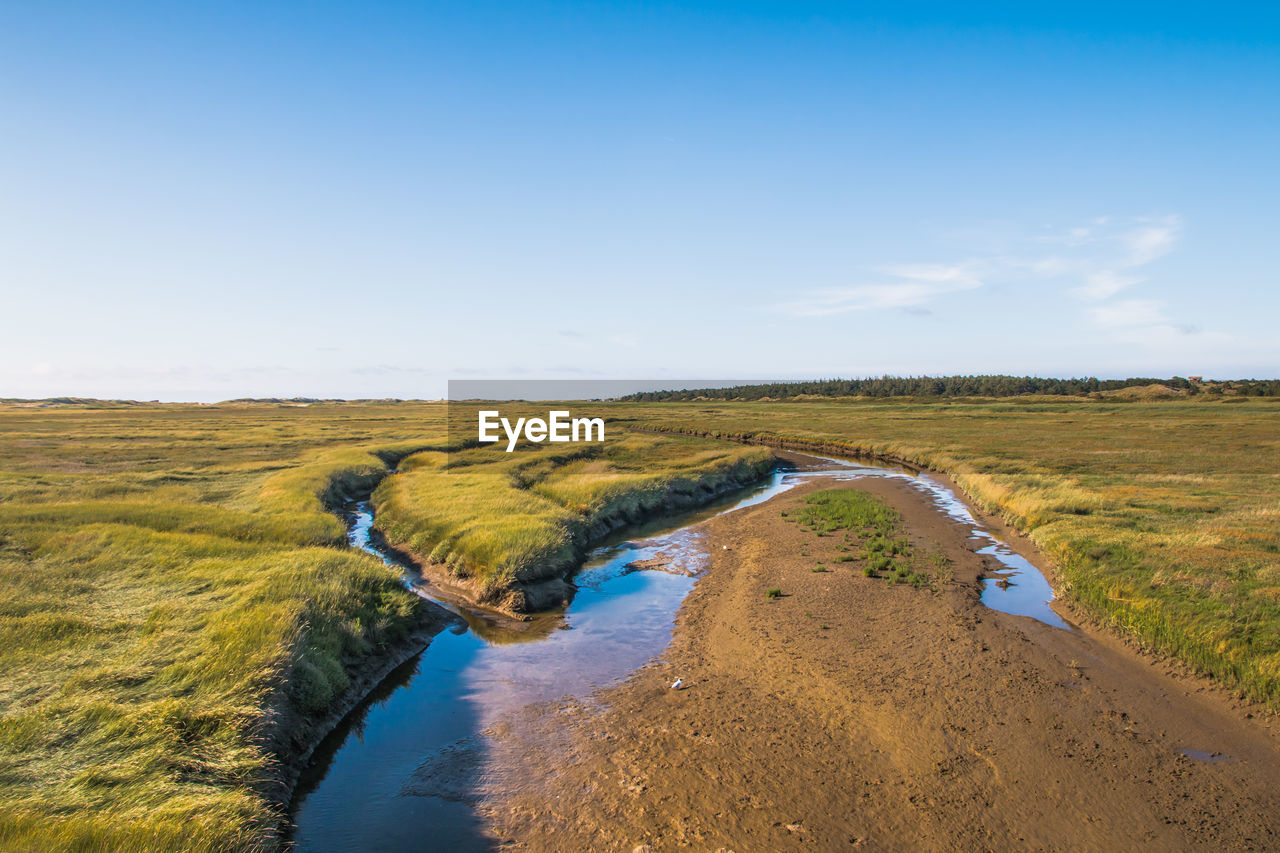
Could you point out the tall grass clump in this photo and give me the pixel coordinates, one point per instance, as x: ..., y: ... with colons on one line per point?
x: 497, y: 519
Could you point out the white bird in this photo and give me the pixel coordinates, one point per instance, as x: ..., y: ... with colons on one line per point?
x: 675, y: 685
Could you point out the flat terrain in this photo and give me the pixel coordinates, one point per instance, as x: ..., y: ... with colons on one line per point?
x: 852, y: 713
x: 179, y: 613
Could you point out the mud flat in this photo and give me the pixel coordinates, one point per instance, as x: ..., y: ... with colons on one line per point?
x: 853, y: 713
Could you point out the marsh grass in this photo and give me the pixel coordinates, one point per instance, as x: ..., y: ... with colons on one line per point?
x: 878, y: 563
x: 502, y: 518
x: 170, y: 579
x: 942, y: 566
x: 830, y: 510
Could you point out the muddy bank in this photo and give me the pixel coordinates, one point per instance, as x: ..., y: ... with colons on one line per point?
x: 1108, y: 629
x: 437, y: 582
x: 522, y: 597
x: 854, y: 713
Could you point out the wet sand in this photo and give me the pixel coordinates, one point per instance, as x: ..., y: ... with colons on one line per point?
x: 854, y: 714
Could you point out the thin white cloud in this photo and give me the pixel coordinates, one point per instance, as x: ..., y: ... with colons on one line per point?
x: 1094, y: 263
x: 1150, y: 242
x: 1124, y: 251
x: 1128, y: 313
x: 1108, y: 252
x: 1130, y: 242
x: 963, y: 274
x: 1104, y: 284
x: 912, y: 286
x: 1075, y: 236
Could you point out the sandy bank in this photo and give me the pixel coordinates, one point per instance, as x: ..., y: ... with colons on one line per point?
x: 854, y: 713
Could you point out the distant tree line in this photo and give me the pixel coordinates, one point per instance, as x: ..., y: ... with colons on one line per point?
x: 959, y: 386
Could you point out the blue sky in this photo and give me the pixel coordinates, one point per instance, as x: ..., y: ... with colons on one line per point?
x: 341, y: 199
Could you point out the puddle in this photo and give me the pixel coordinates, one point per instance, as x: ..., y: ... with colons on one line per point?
x: 1206, y: 756
x: 1020, y: 588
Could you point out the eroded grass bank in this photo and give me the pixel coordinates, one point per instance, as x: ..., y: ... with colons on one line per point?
x: 509, y: 525
x: 1162, y: 519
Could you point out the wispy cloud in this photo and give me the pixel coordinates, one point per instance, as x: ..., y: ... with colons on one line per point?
x: 904, y: 286
x: 1109, y: 253
x: 1104, y: 284
x: 1152, y: 241
x: 1127, y: 313
x: 1093, y: 263
x: 1116, y: 254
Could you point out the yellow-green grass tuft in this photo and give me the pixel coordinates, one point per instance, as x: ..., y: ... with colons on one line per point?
x: 502, y: 518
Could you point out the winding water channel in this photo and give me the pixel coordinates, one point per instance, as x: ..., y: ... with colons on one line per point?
x: 401, y: 771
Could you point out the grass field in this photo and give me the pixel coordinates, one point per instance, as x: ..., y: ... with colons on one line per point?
x: 1162, y: 519
x: 172, y: 576
x: 168, y: 575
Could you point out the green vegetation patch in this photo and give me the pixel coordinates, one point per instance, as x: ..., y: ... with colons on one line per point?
x: 868, y: 519
x: 504, y: 518
x: 845, y: 509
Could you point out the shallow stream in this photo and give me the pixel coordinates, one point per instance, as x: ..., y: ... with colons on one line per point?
x: 401, y: 771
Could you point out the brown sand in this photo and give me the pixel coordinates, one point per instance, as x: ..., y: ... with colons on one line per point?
x: 854, y: 714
